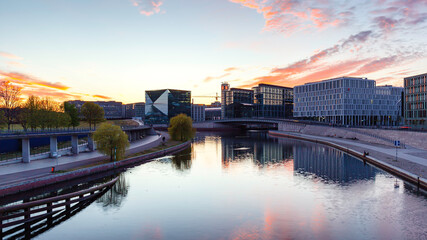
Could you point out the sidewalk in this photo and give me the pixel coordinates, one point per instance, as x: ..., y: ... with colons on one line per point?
x: 17, y: 172
x: 411, y: 159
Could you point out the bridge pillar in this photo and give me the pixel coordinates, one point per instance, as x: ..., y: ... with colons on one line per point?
x: 90, y: 143
x: 75, y: 144
x: 26, y: 150
x: 53, y: 147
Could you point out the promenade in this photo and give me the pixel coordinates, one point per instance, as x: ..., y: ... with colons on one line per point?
x: 17, y: 172
x: 411, y: 159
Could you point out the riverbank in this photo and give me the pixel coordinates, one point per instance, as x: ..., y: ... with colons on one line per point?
x: 67, y: 176
x: 410, y: 168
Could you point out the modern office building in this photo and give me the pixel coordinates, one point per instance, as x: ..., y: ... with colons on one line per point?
x: 135, y: 110
x: 112, y: 109
x: 198, y: 112
x: 348, y: 101
x: 416, y: 101
x: 162, y: 105
x: 236, y: 102
x: 212, y: 113
x: 271, y: 101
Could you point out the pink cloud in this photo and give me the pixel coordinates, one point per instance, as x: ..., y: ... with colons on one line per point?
x: 289, y: 16
x: 9, y: 56
x: 148, y: 7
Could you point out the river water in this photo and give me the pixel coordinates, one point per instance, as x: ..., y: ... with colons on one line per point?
x: 249, y: 186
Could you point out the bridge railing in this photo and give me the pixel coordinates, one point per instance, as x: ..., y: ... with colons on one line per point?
x: 44, y: 131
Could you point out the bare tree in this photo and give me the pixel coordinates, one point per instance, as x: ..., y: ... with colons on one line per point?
x: 9, y: 100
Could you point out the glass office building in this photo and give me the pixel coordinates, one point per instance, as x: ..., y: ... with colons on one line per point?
x: 271, y: 101
x: 349, y: 101
x: 162, y: 105
x: 236, y: 102
x: 416, y: 100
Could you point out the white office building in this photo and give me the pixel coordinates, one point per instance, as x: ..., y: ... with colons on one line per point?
x: 349, y: 101
x: 198, y: 112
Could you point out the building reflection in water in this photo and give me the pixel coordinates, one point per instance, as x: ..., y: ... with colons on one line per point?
x: 114, y: 197
x: 308, y: 158
x: 330, y: 163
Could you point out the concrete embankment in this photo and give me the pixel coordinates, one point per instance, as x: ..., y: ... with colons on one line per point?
x: 403, y: 174
x: 376, y: 136
x: 61, y: 177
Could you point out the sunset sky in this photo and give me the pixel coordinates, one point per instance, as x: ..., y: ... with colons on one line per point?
x: 117, y: 49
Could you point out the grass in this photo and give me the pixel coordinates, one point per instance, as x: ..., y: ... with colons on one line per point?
x: 167, y: 144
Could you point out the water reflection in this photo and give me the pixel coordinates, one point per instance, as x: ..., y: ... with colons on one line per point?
x: 115, y: 196
x: 306, y: 158
x: 330, y: 164
x: 182, y: 160
x: 252, y: 187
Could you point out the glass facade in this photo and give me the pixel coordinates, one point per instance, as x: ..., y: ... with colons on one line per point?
x: 349, y: 101
x: 162, y: 105
x: 273, y: 101
x: 416, y: 100
x: 238, y: 103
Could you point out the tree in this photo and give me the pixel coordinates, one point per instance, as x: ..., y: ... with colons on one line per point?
x: 2, y: 119
x: 42, y: 113
x: 9, y: 99
x: 29, y: 116
x: 93, y: 113
x: 72, y: 111
x: 181, y: 128
x: 111, y: 140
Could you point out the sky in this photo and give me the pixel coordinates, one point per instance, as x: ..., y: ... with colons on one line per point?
x: 117, y: 49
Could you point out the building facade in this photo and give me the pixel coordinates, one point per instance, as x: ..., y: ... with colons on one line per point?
x: 198, y: 112
x: 112, y: 109
x: 135, y: 110
x: 349, y: 101
x: 236, y: 102
x: 212, y: 113
x: 416, y: 101
x: 162, y: 105
x: 271, y: 101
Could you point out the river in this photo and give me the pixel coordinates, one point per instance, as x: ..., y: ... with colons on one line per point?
x: 249, y: 186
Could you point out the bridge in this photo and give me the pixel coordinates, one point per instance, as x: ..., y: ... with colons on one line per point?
x: 134, y: 133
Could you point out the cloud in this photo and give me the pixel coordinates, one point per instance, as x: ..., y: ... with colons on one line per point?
x: 9, y: 56
x: 230, y: 69
x: 208, y: 79
x: 377, y: 65
x: 313, y: 62
x: 288, y: 16
x: 148, y: 7
x: 327, y: 63
x: 101, y: 97
x: 30, y: 80
x: 385, y: 23
x: 34, y: 86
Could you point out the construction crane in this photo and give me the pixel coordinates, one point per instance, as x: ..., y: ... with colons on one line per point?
x: 216, y: 97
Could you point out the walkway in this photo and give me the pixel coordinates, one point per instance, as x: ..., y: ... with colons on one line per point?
x: 17, y: 172
x: 411, y: 159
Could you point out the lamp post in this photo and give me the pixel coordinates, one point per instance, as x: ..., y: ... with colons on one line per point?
x: 115, y: 154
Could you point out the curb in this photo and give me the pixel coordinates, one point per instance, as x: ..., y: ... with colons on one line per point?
x: 403, y: 174
x: 49, y: 180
